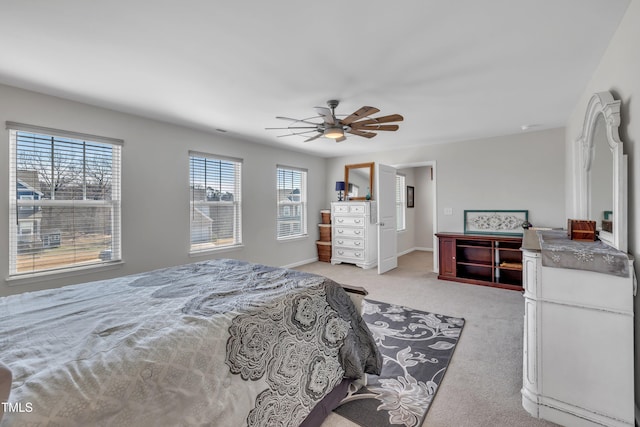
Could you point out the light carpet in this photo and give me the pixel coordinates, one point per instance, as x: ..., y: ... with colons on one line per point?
x: 484, y: 378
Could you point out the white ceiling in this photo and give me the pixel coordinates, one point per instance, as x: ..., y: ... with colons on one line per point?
x: 455, y: 69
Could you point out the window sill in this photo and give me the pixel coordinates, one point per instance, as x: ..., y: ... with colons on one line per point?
x: 292, y: 239
x: 29, y: 278
x: 205, y: 252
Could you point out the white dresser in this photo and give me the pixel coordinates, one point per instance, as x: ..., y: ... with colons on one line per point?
x: 578, y: 365
x: 354, y: 233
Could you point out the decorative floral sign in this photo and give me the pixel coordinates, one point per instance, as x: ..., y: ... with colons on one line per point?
x: 494, y: 222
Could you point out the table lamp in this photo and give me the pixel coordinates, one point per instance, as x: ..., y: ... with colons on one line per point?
x: 339, y: 189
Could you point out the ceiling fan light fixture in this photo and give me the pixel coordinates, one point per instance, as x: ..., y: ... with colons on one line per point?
x: 334, y: 132
x: 359, y: 123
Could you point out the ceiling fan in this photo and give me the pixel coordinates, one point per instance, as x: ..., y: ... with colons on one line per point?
x: 357, y: 123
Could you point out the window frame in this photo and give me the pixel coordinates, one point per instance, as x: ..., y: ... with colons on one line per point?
x: 302, y: 203
x: 236, y: 203
x: 20, y: 204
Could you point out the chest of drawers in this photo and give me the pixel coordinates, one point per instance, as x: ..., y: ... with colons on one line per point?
x: 354, y: 233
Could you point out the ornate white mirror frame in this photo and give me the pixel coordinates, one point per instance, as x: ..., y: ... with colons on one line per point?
x: 603, y: 105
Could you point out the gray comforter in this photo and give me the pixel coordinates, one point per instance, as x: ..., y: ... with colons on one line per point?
x: 221, y: 342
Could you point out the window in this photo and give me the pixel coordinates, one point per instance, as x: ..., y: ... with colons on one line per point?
x: 64, y: 191
x: 400, y: 202
x: 292, y: 202
x: 215, y: 202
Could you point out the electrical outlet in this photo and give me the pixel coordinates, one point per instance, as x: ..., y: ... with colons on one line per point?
x: 448, y: 211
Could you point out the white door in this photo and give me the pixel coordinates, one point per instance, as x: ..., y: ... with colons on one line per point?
x: 387, y: 236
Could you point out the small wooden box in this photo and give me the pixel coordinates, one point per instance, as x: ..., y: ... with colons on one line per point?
x: 578, y: 229
x: 324, y: 251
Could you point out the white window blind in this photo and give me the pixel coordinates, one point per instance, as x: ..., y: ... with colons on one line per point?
x: 216, y: 202
x: 292, y: 202
x: 65, y: 200
x: 400, y: 202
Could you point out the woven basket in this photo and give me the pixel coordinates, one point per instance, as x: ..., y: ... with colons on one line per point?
x: 326, y: 216
x: 324, y: 251
x: 325, y: 232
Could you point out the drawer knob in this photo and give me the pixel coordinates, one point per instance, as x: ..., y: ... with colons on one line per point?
x: 356, y: 232
x: 357, y: 243
x: 357, y: 221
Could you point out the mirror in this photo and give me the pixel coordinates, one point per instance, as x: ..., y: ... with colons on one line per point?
x: 600, y: 179
x: 602, y: 192
x: 358, y: 180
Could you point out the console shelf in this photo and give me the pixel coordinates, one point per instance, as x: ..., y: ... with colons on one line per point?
x: 489, y: 260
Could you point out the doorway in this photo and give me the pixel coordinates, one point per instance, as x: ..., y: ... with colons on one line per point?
x: 423, y: 177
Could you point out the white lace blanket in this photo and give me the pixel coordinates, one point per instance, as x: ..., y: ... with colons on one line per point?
x: 221, y: 342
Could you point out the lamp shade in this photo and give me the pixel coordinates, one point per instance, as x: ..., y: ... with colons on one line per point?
x: 339, y: 185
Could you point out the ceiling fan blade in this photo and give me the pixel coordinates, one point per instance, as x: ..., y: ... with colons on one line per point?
x: 361, y: 113
x: 361, y: 133
x: 313, y: 137
x: 342, y: 138
x: 295, y: 120
x: 382, y: 119
x: 294, y: 127
x: 326, y: 114
x: 296, y: 133
x: 374, y: 127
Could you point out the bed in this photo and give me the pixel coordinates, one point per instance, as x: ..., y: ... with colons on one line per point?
x: 220, y: 342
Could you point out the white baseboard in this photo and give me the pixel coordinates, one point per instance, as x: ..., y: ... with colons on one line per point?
x: 414, y: 249
x: 405, y: 252
x: 299, y: 263
x: 310, y: 260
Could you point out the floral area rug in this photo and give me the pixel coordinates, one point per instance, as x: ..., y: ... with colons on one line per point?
x: 416, y: 347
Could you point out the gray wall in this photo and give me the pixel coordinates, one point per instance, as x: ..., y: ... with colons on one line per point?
x: 618, y: 72
x: 520, y: 171
x: 155, y: 187
x: 424, y: 201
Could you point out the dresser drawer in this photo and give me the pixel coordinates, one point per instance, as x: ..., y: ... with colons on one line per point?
x: 348, y: 232
x: 349, y: 243
x: 341, y: 209
x: 355, y: 254
x: 358, y: 209
x: 349, y: 220
x: 349, y: 208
